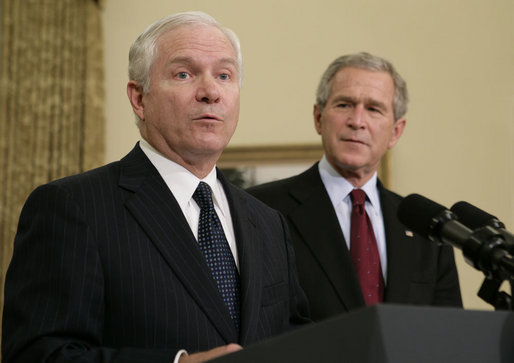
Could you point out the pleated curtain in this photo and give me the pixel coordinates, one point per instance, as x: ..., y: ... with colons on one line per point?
x: 51, y: 100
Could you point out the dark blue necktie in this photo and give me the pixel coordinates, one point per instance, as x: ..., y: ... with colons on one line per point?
x: 216, y: 250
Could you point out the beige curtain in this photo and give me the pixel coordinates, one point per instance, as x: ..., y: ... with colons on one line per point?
x: 51, y: 100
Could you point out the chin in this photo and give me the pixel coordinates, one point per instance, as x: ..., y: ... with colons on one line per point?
x: 211, y: 146
x: 350, y: 162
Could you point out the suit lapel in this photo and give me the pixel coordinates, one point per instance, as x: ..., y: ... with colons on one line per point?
x: 250, y: 259
x: 156, y: 210
x: 399, y: 250
x: 321, y: 232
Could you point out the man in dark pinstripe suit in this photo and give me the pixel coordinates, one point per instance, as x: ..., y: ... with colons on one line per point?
x: 106, y: 264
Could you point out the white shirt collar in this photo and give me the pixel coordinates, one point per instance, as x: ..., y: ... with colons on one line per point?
x: 179, y: 180
x: 338, y: 188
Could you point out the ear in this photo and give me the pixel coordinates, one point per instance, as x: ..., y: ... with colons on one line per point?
x: 397, y: 131
x: 135, y: 95
x: 317, y: 118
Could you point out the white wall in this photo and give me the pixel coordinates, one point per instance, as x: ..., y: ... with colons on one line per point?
x: 457, y: 57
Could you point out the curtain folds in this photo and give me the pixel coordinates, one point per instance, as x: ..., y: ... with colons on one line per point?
x: 51, y: 100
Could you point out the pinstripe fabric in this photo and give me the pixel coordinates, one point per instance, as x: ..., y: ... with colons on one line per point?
x: 419, y: 271
x: 106, y: 267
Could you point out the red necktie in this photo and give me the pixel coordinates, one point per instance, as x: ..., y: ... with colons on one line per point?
x: 364, y: 251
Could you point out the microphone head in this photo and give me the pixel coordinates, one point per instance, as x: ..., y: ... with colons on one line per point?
x: 474, y: 217
x: 418, y: 213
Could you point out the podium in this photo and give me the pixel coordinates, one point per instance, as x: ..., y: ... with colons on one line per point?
x: 392, y: 333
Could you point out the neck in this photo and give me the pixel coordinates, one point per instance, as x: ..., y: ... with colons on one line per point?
x: 357, y: 178
x: 200, y: 170
x: 198, y: 164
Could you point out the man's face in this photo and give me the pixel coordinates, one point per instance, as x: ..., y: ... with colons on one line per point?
x: 192, y: 107
x: 357, y: 125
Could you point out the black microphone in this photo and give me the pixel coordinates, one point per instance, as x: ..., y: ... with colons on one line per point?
x: 432, y: 220
x: 482, y: 248
x: 474, y: 217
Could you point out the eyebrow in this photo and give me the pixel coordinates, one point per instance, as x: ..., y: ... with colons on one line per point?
x: 367, y: 101
x: 191, y: 60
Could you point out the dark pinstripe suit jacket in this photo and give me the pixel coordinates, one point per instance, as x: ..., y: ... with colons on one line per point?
x: 106, y: 268
x: 419, y: 271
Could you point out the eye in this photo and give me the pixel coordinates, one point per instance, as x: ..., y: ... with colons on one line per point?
x: 343, y: 105
x: 182, y: 75
x: 374, y: 109
x: 224, y: 77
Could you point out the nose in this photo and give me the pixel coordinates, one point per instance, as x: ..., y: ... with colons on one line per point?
x: 356, y: 117
x: 207, y: 91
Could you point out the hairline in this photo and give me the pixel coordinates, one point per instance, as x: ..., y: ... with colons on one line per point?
x: 369, y: 62
x: 155, y: 49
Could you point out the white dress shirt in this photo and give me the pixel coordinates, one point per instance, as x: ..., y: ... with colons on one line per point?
x: 338, y: 189
x: 182, y: 183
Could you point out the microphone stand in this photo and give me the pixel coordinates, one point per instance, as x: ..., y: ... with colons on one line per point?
x: 491, y: 256
x: 489, y: 292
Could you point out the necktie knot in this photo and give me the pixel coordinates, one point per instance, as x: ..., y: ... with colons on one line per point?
x: 202, y: 195
x: 358, y: 197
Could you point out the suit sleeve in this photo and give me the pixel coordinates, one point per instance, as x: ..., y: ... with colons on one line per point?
x: 299, y: 304
x: 54, y: 291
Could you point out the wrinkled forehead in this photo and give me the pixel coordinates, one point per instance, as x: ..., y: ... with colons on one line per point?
x: 364, y: 83
x: 195, y: 38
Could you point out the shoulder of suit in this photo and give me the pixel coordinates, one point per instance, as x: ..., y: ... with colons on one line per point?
x: 279, y: 186
x: 101, y: 172
x: 135, y: 159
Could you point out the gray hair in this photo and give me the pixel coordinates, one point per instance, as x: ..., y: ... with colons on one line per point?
x: 365, y: 61
x: 142, y: 51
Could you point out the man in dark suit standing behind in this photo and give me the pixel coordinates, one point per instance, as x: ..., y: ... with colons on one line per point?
x: 117, y: 264
x: 360, y: 104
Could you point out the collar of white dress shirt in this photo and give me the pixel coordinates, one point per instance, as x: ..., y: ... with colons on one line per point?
x: 338, y: 187
x: 181, y: 182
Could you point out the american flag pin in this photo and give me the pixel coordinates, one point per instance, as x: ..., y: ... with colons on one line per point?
x: 409, y: 233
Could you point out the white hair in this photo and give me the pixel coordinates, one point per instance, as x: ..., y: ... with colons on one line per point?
x: 142, y: 51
